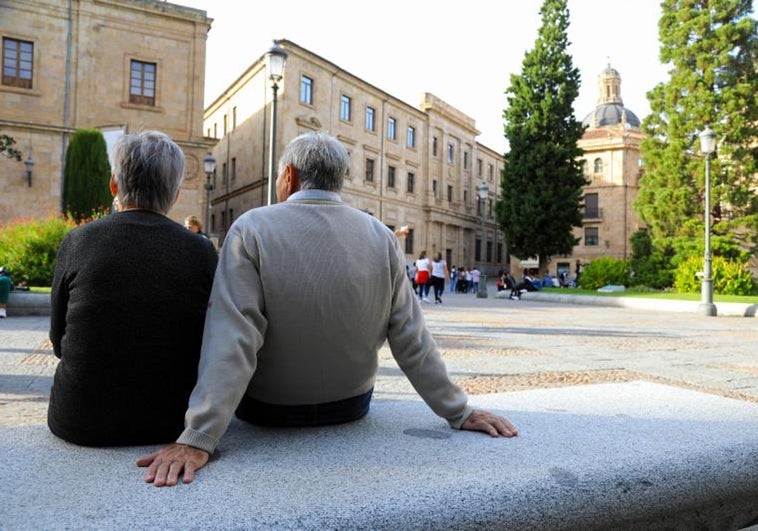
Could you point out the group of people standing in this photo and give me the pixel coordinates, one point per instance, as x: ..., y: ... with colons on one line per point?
x: 427, y: 274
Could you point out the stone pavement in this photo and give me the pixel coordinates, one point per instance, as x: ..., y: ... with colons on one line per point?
x: 650, y: 445
x: 491, y: 346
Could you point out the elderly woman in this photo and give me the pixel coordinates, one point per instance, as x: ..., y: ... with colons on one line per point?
x: 129, y: 298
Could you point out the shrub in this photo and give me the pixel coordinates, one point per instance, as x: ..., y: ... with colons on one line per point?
x: 729, y: 277
x: 28, y: 248
x: 649, y: 266
x: 86, y: 175
x: 604, y: 271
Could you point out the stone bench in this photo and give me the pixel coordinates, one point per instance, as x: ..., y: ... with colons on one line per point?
x: 634, y: 455
x: 28, y: 303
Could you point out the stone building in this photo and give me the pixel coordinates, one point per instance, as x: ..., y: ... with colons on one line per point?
x: 116, y: 65
x: 611, y: 147
x: 415, y: 166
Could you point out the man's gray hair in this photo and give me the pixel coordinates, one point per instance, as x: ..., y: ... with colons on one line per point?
x: 321, y: 161
x: 148, y: 168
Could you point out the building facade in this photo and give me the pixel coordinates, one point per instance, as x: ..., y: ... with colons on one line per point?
x: 612, y: 166
x: 115, y: 65
x: 414, y: 166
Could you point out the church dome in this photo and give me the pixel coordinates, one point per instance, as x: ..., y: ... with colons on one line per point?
x: 610, y: 108
x: 608, y: 114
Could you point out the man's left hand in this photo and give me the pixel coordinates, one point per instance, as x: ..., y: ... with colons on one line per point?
x: 490, y: 423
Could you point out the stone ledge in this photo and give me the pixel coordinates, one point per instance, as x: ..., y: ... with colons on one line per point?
x: 625, y: 456
x: 28, y: 303
x: 725, y: 309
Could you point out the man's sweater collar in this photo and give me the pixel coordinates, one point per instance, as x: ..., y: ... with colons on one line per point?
x: 318, y: 195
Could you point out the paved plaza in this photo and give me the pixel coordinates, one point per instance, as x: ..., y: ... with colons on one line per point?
x: 492, y: 346
x: 628, y: 418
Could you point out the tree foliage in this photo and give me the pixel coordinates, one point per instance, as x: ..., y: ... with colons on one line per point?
x: 86, y: 177
x: 712, y: 48
x: 7, y: 149
x: 543, y: 178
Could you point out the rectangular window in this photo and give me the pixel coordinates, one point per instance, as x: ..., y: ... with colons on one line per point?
x: 391, y: 177
x: 370, y: 115
x: 409, y: 242
x: 590, y: 236
x: 208, y: 133
x: 18, y: 57
x: 224, y: 175
x: 225, y: 125
x: 434, y: 188
x: 434, y: 146
x: 591, y: 206
x: 215, y: 130
x: 370, y: 170
x: 450, y: 154
x: 479, y: 166
x: 499, y: 253
x: 234, y: 118
x: 306, y: 90
x: 391, y: 128
x: 411, y: 179
x: 411, y: 136
x: 465, y: 160
x: 345, y: 108
x: 465, y: 197
x: 489, y: 251
x: 491, y: 171
x: 223, y: 220
x: 234, y: 169
x: 478, y: 250
x: 142, y: 84
x: 450, y: 193
x: 231, y: 216
x: 213, y: 222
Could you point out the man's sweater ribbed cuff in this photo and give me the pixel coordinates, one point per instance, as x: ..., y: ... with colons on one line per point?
x: 457, y: 422
x: 198, y: 439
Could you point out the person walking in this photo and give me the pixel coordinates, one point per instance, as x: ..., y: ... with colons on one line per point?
x: 423, y: 276
x: 439, y: 274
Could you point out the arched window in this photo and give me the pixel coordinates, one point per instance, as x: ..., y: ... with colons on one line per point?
x: 598, y: 165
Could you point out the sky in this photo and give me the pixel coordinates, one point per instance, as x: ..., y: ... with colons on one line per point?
x: 462, y: 52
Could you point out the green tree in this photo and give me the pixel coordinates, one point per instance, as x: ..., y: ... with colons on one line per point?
x: 86, y: 177
x: 712, y: 49
x: 7, y: 149
x: 543, y: 178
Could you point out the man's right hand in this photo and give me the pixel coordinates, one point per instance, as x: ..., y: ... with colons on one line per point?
x: 165, y: 465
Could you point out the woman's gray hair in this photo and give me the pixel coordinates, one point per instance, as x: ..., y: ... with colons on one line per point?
x: 148, y: 168
x: 321, y: 161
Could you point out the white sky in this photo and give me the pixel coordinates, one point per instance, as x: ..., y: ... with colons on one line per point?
x: 463, y: 52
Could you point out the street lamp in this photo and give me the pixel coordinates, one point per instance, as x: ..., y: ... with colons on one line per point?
x: 209, y: 164
x: 483, y: 192
x: 276, y: 58
x: 29, y: 163
x: 707, y: 146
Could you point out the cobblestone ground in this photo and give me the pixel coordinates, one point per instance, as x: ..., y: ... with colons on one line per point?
x: 491, y: 346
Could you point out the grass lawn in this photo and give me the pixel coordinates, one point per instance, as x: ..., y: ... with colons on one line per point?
x: 752, y: 299
x: 37, y: 289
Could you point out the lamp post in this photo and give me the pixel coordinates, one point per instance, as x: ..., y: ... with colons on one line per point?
x: 209, y: 164
x: 276, y: 58
x: 29, y: 163
x: 707, y: 146
x: 483, y: 192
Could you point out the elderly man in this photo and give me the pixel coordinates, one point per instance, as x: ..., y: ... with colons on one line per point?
x: 305, y: 294
x: 129, y: 297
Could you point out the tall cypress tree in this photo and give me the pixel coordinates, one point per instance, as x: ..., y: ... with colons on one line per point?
x: 542, y: 180
x: 712, y: 49
x: 86, y: 177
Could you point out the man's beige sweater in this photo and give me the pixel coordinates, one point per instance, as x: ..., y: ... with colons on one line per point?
x: 305, y: 294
